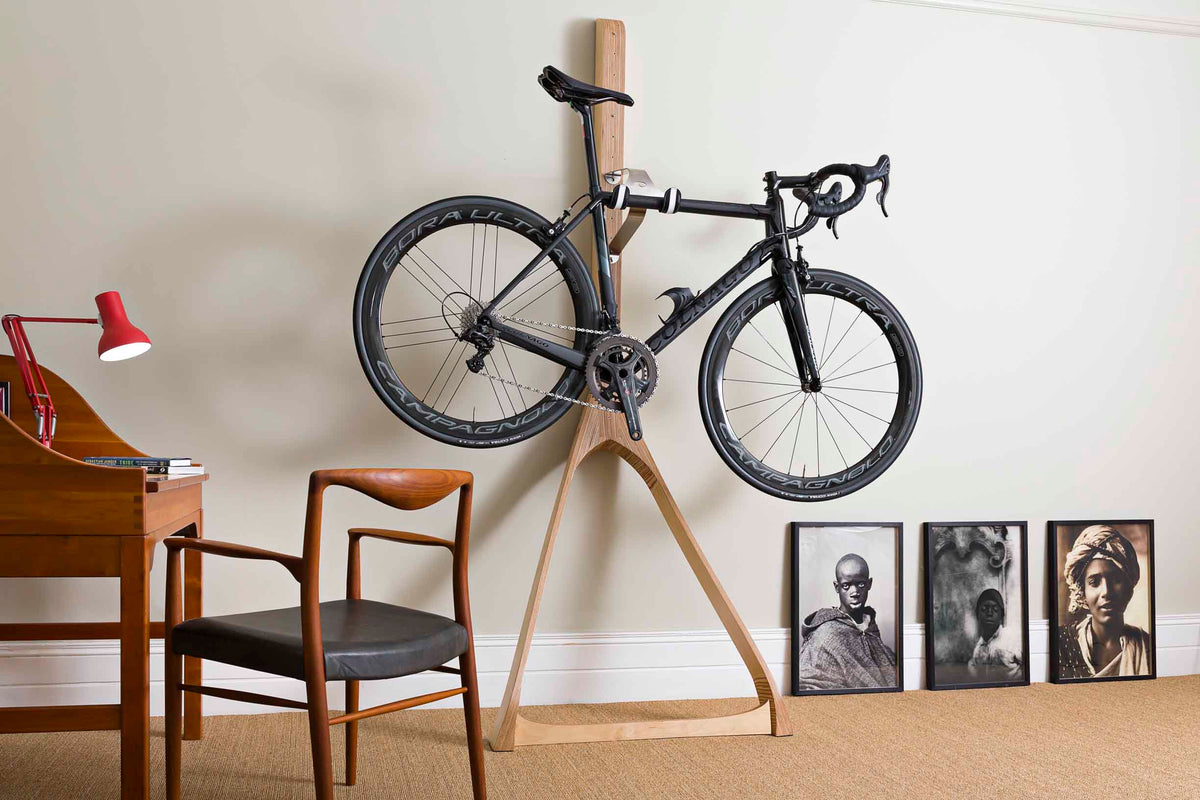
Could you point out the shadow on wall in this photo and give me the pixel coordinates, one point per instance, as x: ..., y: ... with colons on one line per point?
x: 259, y: 296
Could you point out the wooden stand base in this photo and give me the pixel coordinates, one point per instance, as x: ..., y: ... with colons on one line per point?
x: 600, y: 430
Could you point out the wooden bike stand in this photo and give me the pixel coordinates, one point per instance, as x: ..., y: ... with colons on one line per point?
x: 601, y: 430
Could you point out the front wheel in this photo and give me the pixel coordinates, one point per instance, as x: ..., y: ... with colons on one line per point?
x: 802, y: 445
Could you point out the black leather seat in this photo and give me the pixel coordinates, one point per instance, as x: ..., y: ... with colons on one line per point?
x: 364, y: 640
x: 565, y: 89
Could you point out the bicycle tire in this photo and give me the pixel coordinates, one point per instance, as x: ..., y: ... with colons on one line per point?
x: 405, y: 401
x: 880, y: 455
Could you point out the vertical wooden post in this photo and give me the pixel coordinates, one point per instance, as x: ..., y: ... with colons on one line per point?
x: 600, y: 430
x: 610, y: 120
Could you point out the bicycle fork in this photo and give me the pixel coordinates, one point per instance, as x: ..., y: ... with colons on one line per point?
x: 795, y: 320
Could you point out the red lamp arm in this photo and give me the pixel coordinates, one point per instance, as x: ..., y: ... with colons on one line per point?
x: 31, y: 373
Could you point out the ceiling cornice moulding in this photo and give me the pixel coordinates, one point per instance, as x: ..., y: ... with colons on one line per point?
x: 1075, y: 16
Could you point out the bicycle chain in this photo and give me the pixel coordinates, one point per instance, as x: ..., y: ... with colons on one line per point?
x: 555, y: 395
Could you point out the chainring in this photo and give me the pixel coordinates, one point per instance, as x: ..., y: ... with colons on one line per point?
x: 613, y: 354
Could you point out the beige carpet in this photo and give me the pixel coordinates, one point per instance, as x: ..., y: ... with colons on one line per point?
x: 1128, y: 740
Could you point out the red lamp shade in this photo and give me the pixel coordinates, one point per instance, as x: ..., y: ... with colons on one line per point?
x: 120, y: 340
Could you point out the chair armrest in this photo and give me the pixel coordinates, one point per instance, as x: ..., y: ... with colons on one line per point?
x: 400, y: 536
x: 293, y: 564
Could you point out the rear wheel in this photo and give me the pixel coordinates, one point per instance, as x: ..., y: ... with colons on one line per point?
x: 802, y: 445
x: 420, y: 288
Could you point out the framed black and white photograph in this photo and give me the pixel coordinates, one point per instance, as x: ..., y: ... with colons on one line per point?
x: 976, y: 604
x: 4, y: 400
x: 1101, y: 600
x: 846, y: 607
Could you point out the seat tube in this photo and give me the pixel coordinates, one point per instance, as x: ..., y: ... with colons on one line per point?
x: 600, y: 229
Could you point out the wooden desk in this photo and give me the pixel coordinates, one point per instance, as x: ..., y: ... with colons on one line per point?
x: 60, y: 517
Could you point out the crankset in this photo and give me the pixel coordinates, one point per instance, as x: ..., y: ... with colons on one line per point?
x: 622, y: 374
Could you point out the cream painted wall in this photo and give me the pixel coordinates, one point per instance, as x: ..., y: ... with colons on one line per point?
x: 229, y: 165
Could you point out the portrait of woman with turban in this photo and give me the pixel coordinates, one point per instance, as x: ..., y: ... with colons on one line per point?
x: 1098, y: 635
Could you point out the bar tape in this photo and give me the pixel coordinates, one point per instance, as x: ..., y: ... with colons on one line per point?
x: 620, y: 195
x: 671, y: 201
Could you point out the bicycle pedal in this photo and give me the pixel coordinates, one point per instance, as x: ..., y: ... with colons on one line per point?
x: 680, y: 296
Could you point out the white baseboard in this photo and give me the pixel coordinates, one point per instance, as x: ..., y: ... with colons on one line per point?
x: 562, y: 668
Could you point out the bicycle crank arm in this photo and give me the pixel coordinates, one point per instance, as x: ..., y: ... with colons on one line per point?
x: 628, y: 392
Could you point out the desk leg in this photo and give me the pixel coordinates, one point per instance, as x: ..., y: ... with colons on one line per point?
x: 193, y: 725
x: 135, y: 668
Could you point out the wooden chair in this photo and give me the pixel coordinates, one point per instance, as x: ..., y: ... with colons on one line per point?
x: 350, y: 640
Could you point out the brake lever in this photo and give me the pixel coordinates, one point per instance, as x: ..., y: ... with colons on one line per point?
x: 883, y: 190
x: 831, y: 223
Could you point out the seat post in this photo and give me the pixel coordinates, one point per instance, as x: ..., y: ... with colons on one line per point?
x: 603, y: 264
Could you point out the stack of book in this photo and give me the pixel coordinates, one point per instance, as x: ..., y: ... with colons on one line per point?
x: 176, y: 467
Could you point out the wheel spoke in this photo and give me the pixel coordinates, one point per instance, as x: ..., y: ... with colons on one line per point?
x: 438, y: 374
x: 449, y: 377
x: 510, y: 300
x: 411, y: 319
x: 445, y: 292
x: 786, y: 425
x: 825, y: 341
x: 767, y: 417
x: 764, y: 383
x: 773, y: 350
x: 856, y: 408
x: 829, y: 430
x: 861, y: 371
x: 439, y: 267
x: 796, y: 438
x: 765, y: 399
x: 471, y: 278
x: 764, y: 363
x: 851, y: 424
x: 440, y: 300
x: 851, y: 358
x: 418, y: 344
x: 839, y: 341
x: 466, y: 372
x: 513, y: 372
x: 825, y: 386
x: 561, y: 280
x: 414, y: 333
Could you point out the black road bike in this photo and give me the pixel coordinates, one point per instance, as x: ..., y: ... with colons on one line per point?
x: 478, y: 324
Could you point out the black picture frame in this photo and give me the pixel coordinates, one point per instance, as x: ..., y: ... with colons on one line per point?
x: 1054, y: 571
x: 797, y: 615
x: 5, y: 402
x: 931, y: 679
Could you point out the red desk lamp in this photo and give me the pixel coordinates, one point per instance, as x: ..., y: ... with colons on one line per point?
x: 120, y: 340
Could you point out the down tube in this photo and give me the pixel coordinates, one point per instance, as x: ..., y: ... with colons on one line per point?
x: 680, y: 322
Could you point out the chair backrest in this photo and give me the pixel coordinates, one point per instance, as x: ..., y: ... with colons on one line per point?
x: 407, y: 489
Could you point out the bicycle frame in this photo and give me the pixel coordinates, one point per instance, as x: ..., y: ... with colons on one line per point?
x: 775, y: 246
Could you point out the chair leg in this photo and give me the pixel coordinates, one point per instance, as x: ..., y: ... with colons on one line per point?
x: 173, y: 675
x: 466, y: 665
x: 351, y: 734
x: 318, y: 731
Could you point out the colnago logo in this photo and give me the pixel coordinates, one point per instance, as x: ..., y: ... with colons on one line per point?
x: 416, y: 407
x: 708, y: 298
x: 807, y: 484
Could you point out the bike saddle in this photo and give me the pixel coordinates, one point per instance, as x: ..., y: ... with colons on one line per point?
x: 565, y: 89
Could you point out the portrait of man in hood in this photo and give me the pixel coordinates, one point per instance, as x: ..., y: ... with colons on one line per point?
x: 841, y: 647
